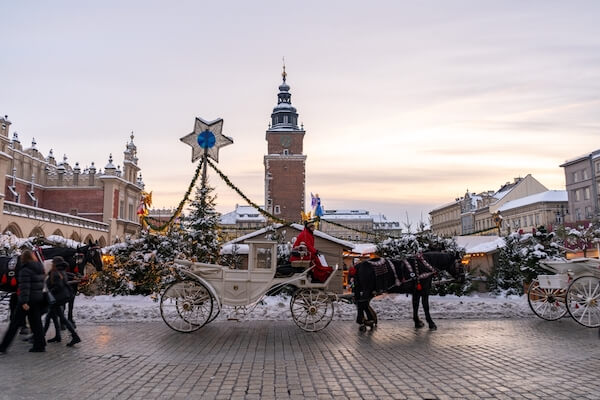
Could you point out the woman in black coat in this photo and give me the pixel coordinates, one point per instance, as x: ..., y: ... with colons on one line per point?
x: 58, y: 285
x: 30, y: 298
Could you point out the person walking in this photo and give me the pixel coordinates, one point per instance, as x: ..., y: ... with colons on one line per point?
x: 58, y: 285
x: 30, y: 299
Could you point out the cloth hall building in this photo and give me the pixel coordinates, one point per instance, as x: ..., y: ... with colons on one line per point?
x: 42, y: 196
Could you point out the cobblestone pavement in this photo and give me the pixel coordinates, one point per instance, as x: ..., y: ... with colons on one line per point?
x: 464, y: 359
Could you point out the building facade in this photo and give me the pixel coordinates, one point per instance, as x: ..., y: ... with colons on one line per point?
x: 479, y: 213
x: 285, y: 164
x: 241, y: 221
x: 42, y: 197
x: 582, y: 178
x: 356, y: 224
x: 531, y: 212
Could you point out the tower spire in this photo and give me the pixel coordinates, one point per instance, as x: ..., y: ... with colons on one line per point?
x: 284, y: 74
x: 284, y: 115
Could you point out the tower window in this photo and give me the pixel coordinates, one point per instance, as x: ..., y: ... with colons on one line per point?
x: 277, y: 210
x: 286, y: 152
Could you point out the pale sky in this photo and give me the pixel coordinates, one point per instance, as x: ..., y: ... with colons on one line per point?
x: 406, y: 104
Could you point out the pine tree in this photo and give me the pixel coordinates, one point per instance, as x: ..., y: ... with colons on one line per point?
x: 203, y: 236
x: 520, y: 260
x: 506, y: 274
x: 141, y: 266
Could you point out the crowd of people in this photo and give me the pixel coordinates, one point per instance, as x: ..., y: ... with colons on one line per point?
x: 40, y: 292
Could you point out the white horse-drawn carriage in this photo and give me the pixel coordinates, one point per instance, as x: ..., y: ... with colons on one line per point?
x: 189, y: 304
x: 574, y: 287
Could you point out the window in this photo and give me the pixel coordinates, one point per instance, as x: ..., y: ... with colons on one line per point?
x: 577, y: 214
x: 576, y: 195
x: 263, y: 257
x: 530, y: 219
x: 537, y: 219
x: 286, y: 152
x: 277, y: 210
x: 586, y: 193
x: 588, y: 211
x: 585, y: 174
x: 121, y: 209
x: 575, y: 177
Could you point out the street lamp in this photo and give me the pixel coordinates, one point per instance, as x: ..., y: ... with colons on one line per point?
x: 560, y: 214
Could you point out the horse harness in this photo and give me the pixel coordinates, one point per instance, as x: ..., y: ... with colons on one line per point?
x: 383, y: 265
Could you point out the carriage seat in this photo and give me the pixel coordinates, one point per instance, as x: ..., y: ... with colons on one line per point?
x: 300, y: 251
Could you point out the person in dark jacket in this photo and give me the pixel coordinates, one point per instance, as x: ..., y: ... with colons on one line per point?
x: 58, y: 285
x: 30, y: 303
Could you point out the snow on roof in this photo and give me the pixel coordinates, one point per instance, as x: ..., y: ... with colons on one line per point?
x: 479, y: 244
x: 445, y: 205
x: 499, y: 195
x: 346, y: 216
x: 242, y: 213
x: 544, y: 197
x: 364, y: 248
x: 235, y: 247
x: 594, y: 154
x: 298, y: 227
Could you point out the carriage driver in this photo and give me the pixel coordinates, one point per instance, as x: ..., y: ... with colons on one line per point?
x: 320, y: 272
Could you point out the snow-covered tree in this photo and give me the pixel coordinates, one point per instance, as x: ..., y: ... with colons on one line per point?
x: 520, y: 260
x: 141, y: 266
x: 506, y: 276
x: 582, y: 238
x: 202, y: 232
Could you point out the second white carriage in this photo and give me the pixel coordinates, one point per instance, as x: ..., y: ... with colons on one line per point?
x: 574, y: 288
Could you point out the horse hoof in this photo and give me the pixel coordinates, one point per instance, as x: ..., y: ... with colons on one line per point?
x: 369, y: 323
x: 362, y: 328
x: 419, y: 325
x: 432, y: 328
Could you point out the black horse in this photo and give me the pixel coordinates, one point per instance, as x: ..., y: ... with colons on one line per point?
x: 412, y: 275
x: 77, y: 258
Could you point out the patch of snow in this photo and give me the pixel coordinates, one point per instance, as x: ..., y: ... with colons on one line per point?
x: 102, y: 309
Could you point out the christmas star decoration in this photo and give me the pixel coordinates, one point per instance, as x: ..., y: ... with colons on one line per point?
x: 207, y: 136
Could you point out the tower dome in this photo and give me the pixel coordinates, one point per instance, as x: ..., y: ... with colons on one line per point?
x: 284, y: 116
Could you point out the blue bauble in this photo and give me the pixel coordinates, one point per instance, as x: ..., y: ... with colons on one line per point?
x: 206, y: 139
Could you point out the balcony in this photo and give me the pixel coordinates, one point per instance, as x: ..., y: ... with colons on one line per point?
x: 40, y: 214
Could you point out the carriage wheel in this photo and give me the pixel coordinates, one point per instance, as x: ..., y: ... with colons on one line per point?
x: 548, y: 304
x: 312, y: 309
x: 186, y: 306
x: 583, y: 301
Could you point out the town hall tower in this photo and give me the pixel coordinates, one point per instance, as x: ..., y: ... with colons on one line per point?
x: 284, y: 163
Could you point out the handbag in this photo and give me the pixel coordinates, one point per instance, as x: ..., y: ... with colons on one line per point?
x: 49, y: 298
x: 62, y: 291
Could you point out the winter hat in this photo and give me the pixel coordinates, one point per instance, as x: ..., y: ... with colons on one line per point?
x: 59, y: 262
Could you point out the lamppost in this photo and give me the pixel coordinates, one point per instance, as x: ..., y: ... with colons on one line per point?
x: 560, y: 214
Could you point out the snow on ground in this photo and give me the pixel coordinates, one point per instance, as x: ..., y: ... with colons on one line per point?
x: 102, y: 309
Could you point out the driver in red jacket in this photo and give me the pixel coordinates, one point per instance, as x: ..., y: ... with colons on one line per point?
x: 320, y: 272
